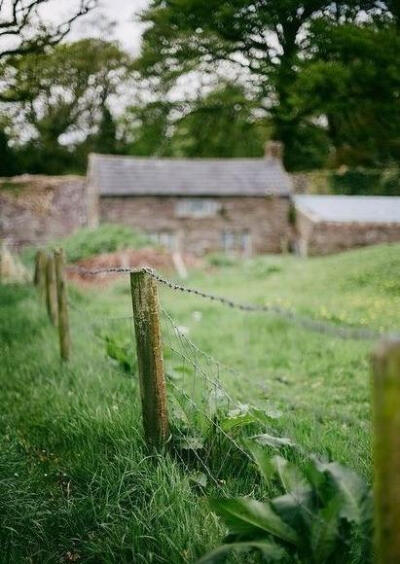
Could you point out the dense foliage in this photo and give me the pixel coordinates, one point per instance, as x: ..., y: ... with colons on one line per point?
x: 62, y: 96
x: 217, y: 80
x: 322, y: 515
x: 105, y: 239
x: 308, y: 66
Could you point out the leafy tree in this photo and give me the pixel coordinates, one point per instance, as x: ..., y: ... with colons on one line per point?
x: 268, y: 40
x: 64, y: 96
x: 224, y: 123
x: 105, y: 141
x: 354, y: 81
x: 146, y: 128
x: 7, y: 156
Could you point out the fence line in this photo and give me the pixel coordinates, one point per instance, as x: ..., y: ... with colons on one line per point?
x: 318, y: 326
x: 97, y: 317
x: 386, y: 390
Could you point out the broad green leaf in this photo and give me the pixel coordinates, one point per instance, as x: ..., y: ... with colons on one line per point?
x: 263, y: 460
x: 199, y: 478
x: 172, y: 375
x: 248, y: 516
x: 270, y: 551
x: 183, y: 369
x: 191, y: 443
x: 351, y: 489
x: 232, y: 422
x: 291, y: 478
x: 270, y: 413
x: 275, y: 442
x: 325, y: 530
x: 296, y: 511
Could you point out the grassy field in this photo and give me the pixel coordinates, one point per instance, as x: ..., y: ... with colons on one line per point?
x: 76, y: 482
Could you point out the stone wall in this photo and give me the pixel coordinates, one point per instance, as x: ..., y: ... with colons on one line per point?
x: 323, y: 238
x: 36, y: 209
x: 261, y: 222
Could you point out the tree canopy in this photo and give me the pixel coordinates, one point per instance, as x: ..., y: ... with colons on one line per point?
x: 269, y: 47
x: 62, y: 98
x: 213, y: 79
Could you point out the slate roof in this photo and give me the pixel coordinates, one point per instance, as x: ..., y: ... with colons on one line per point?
x: 137, y: 176
x: 350, y: 209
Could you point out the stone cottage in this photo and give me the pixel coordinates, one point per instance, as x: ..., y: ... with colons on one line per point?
x: 196, y: 205
x: 328, y: 224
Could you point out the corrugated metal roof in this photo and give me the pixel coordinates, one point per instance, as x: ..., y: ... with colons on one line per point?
x: 136, y: 176
x: 345, y: 209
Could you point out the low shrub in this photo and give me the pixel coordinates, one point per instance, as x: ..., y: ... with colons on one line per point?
x: 222, y: 260
x: 105, y: 239
x: 322, y: 515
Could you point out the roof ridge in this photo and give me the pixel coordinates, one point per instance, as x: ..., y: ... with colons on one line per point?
x: 183, y: 159
x: 127, y: 175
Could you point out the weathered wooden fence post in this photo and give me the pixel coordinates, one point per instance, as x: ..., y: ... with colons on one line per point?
x: 62, y: 301
x: 146, y: 313
x: 386, y: 421
x: 2, y: 252
x: 51, y: 289
x: 40, y: 273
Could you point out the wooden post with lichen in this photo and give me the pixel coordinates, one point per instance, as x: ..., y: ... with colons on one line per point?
x: 146, y: 314
x: 386, y: 429
x: 51, y: 290
x: 40, y: 274
x: 2, y: 252
x: 62, y: 301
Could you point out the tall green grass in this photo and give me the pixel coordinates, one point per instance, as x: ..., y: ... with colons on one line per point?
x: 75, y: 477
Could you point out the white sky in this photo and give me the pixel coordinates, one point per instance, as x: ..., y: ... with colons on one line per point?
x: 128, y: 29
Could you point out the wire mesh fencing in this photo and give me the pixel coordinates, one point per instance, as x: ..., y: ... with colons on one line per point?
x: 208, y: 425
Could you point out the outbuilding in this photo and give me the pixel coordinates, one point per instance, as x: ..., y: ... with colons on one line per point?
x: 329, y: 224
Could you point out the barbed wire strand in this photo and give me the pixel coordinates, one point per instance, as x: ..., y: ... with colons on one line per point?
x: 319, y: 326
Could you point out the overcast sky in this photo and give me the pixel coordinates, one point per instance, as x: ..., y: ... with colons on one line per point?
x: 124, y: 12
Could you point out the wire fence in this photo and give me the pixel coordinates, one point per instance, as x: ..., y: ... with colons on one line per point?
x: 205, y: 419
x: 319, y: 326
x: 208, y: 425
x: 209, y: 428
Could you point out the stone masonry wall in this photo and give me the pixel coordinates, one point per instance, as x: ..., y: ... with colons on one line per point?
x: 323, y: 238
x: 36, y: 209
x: 264, y: 219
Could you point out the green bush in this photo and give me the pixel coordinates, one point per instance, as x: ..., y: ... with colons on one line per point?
x: 363, y: 181
x: 105, y: 239
x: 221, y: 260
x: 323, y: 514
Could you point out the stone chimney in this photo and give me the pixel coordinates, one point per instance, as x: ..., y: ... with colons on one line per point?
x: 274, y: 150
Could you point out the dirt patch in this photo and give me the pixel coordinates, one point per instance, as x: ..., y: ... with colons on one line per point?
x: 159, y: 260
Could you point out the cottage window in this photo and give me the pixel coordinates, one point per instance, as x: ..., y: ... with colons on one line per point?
x: 197, y: 207
x: 237, y: 242
x: 167, y: 239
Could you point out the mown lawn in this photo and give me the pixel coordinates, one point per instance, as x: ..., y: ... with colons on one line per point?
x: 76, y: 482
